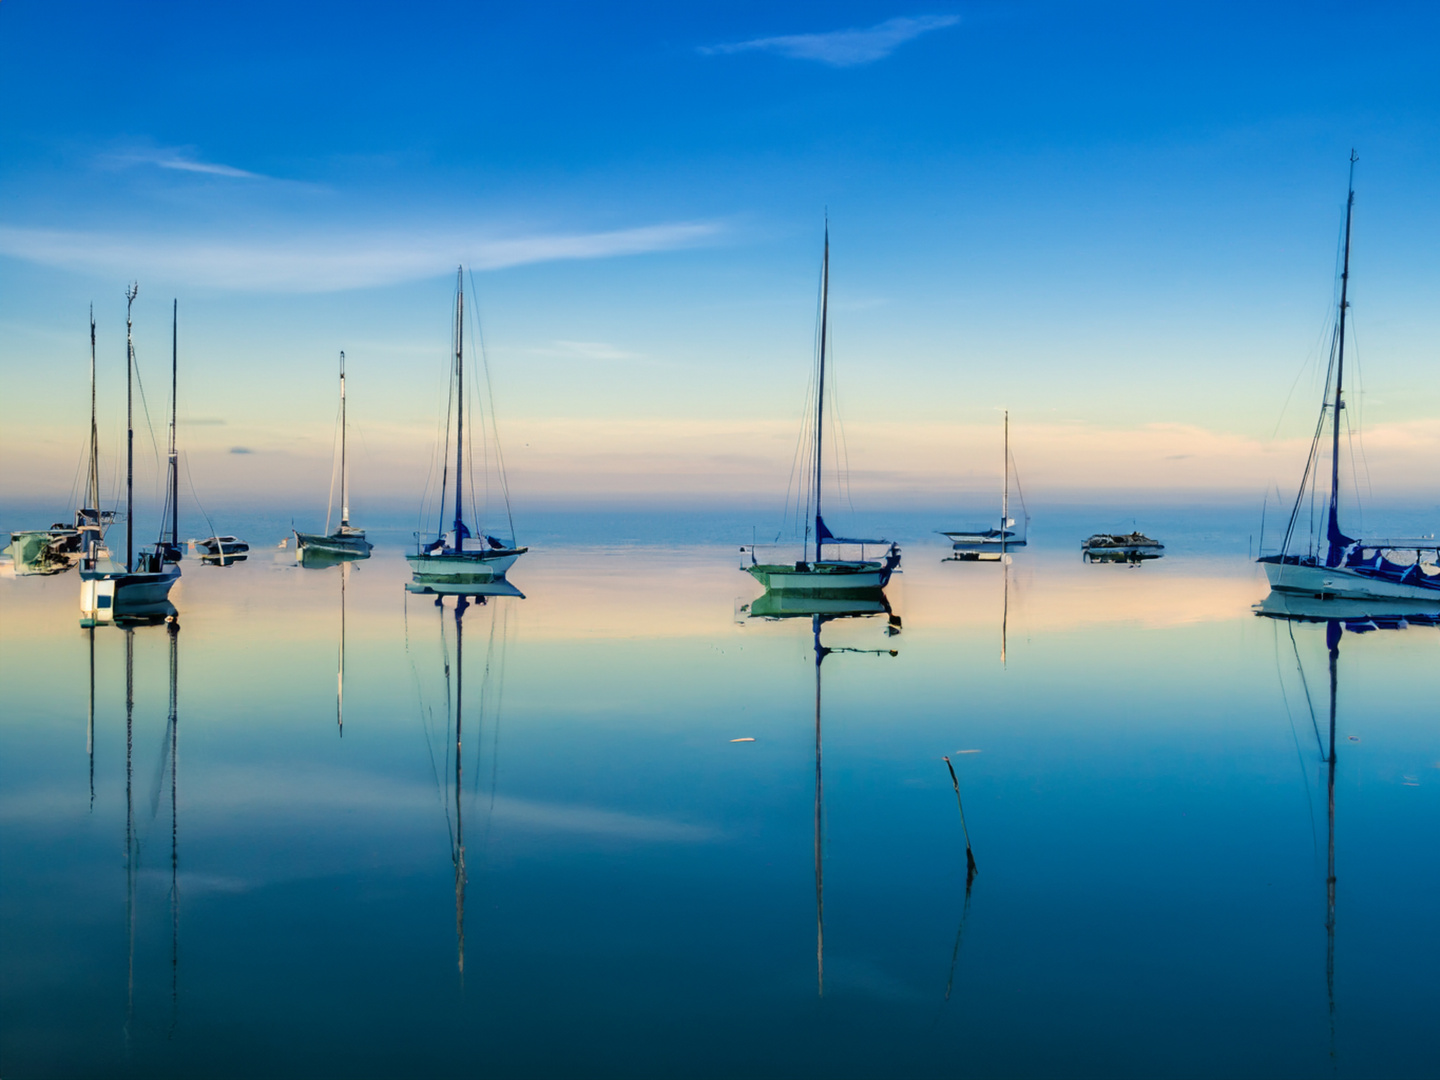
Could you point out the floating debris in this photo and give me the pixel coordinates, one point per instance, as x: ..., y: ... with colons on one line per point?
x: 747, y: 738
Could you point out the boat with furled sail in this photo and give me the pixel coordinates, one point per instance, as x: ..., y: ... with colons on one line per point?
x: 991, y: 544
x: 447, y: 564
x: 821, y: 576
x: 110, y: 590
x: 1351, y: 567
x: 345, y: 542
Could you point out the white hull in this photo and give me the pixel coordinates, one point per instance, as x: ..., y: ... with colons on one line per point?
x: 463, y: 569
x: 106, y: 595
x: 1339, y: 582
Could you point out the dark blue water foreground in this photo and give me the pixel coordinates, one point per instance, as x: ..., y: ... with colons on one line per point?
x: 623, y: 890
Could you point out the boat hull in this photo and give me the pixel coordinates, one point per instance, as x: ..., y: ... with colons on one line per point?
x: 822, y: 579
x: 464, y: 567
x: 335, y: 545
x: 108, y: 594
x: 1343, y: 583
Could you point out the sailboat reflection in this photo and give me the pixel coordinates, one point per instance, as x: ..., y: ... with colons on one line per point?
x: 1338, y: 616
x: 455, y: 708
x: 319, y: 559
x: 820, y: 611
x: 169, y: 763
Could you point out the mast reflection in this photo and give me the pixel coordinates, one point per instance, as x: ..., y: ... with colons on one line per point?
x: 454, y: 679
x: 820, y: 611
x: 1338, y: 616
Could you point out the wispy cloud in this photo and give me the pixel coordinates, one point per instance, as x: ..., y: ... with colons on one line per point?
x: 181, y: 159
x: 317, y: 262
x: 583, y: 350
x: 843, y: 48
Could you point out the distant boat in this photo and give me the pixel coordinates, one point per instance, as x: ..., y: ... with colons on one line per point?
x: 990, y: 545
x: 822, y: 576
x: 1120, y: 547
x: 1352, y: 568
x: 220, y: 547
x: 344, y: 542
x: 56, y: 549
x: 109, y: 590
x: 446, y: 564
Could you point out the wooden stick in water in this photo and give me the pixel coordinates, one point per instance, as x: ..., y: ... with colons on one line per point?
x: 970, y: 868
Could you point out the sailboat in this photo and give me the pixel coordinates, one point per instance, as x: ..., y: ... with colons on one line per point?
x: 822, y: 576
x: 56, y: 549
x: 344, y: 542
x: 142, y: 585
x: 445, y: 565
x: 1351, y: 568
x: 990, y: 545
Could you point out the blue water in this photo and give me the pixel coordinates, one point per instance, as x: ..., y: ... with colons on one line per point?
x: 1141, y: 760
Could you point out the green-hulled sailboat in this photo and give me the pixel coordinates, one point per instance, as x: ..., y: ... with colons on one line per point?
x: 346, y: 542
x: 447, y: 565
x: 822, y: 577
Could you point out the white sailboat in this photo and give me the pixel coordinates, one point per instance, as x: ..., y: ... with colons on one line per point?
x: 345, y: 542
x: 983, y: 544
x: 447, y: 564
x: 1351, y: 568
x: 821, y: 576
x: 108, y: 589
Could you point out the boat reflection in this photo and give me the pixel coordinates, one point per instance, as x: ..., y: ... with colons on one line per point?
x: 1337, y: 616
x: 491, y: 683
x: 820, y: 611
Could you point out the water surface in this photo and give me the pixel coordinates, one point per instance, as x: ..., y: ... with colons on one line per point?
x: 270, y: 885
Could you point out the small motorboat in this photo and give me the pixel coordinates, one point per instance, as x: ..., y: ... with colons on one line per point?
x: 217, y: 547
x: 1121, y: 547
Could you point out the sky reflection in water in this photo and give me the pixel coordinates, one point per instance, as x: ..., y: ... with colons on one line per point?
x: 1145, y: 792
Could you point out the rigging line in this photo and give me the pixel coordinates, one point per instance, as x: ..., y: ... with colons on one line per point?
x: 1311, y: 474
x: 334, y: 467
x: 837, y: 432
x: 1359, y: 427
x: 1309, y: 702
x: 1295, y: 735
x: 426, y: 714
x: 196, y: 495
x: 494, y: 423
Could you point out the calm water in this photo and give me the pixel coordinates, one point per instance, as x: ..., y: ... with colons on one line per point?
x: 252, y: 891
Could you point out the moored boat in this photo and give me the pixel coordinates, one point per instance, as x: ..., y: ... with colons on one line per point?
x: 1352, y: 567
x: 984, y: 544
x: 109, y: 590
x: 446, y: 564
x: 1120, y: 547
x: 346, y: 542
x: 821, y: 576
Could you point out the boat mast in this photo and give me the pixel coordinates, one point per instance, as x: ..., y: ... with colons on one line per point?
x: 130, y: 294
x: 1334, y: 550
x: 460, y: 403
x: 94, y: 478
x: 820, y: 384
x: 174, y: 405
x: 344, y: 488
x: 1005, y: 496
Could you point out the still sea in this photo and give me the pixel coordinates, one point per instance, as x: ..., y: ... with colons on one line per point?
x: 682, y: 840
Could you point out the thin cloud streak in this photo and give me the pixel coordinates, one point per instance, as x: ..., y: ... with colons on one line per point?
x: 319, y: 263
x: 842, y: 48
x: 181, y: 160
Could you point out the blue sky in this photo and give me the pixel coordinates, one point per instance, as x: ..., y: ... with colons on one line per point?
x: 1117, y: 220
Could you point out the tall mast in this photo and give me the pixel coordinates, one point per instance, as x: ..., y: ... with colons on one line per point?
x: 344, y: 488
x: 820, y: 383
x: 94, y: 478
x: 174, y: 406
x: 130, y: 294
x: 1005, y: 497
x: 1334, y: 550
x: 459, y: 404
